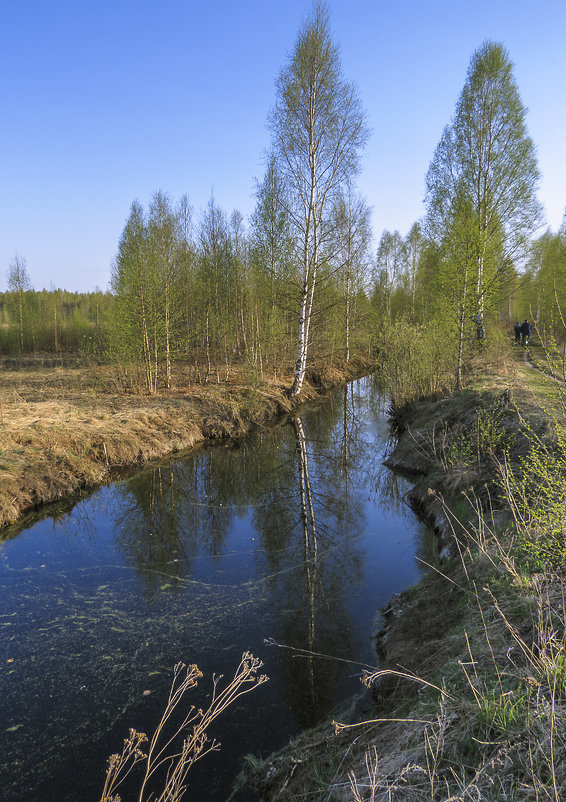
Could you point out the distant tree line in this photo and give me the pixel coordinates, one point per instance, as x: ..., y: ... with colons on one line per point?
x: 53, y: 321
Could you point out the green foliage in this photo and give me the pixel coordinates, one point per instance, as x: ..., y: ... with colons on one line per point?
x: 481, y: 201
x: 556, y: 674
x: 414, y: 359
x: 318, y: 129
x: 501, y: 712
x: 486, y: 438
x: 541, y: 292
x: 537, y: 489
x: 53, y: 321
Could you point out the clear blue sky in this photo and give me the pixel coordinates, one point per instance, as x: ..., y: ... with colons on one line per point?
x: 107, y: 101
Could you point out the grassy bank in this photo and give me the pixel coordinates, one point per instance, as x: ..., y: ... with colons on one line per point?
x: 68, y: 429
x: 469, y: 701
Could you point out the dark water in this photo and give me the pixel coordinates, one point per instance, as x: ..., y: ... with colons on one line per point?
x: 299, y: 534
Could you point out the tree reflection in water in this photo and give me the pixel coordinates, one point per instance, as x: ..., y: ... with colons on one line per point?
x: 294, y: 484
x: 299, y: 492
x: 310, y: 545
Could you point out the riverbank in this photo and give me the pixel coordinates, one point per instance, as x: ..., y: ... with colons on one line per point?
x: 468, y: 701
x: 66, y: 430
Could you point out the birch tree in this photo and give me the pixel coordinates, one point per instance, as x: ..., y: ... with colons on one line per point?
x: 19, y: 283
x: 389, y: 263
x: 486, y: 157
x: 318, y: 129
x: 352, y: 232
x: 215, y: 268
x: 239, y: 247
x: 132, y: 332
x: 162, y: 241
x: 187, y: 332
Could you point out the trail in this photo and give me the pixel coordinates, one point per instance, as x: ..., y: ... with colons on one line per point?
x: 527, y: 362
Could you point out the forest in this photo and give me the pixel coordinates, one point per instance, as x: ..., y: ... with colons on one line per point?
x: 228, y: 296
x: 193, y: 295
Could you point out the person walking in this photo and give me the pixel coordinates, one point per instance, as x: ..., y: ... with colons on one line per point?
x: 517, y: 330
x: 526, y: 333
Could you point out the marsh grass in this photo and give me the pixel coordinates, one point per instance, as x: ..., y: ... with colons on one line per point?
x: 64, y: 429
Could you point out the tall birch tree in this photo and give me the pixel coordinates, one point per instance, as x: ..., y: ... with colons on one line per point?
x: 318, y: 127
x: 352, y: 233
x: 130, y: 284
x: 487, y: 163
x: 163, y: 236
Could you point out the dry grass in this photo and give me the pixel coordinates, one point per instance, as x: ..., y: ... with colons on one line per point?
x: 63, y: 430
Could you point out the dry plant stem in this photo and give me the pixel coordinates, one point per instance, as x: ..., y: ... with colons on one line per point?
x: 356, y: 788
x: 473, y: 662
x: 155, y: 759
x: 529, y: 653
x: 369, y: 679
x: 308, y: 653
x: 552, y: 724
x: 477, y: 695
x: 338, y: 727
x: 531, y: 762
x: 488, y: 641
x: 444, y: 576
x: 121, y: 765
x: 196, y: 744
x: 434, y: 744
x: 332, y: 784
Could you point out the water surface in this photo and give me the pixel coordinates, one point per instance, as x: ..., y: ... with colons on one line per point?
x: 298, y: 535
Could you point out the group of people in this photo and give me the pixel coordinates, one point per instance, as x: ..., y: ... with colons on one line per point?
x: 522, y: 333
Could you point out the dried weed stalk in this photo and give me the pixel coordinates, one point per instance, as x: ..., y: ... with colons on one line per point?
x: 167, y: 763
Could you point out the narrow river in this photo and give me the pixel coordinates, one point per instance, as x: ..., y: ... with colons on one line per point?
x: 198, y: 560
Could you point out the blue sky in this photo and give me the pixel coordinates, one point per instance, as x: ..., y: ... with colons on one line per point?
x: 107, y: 101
